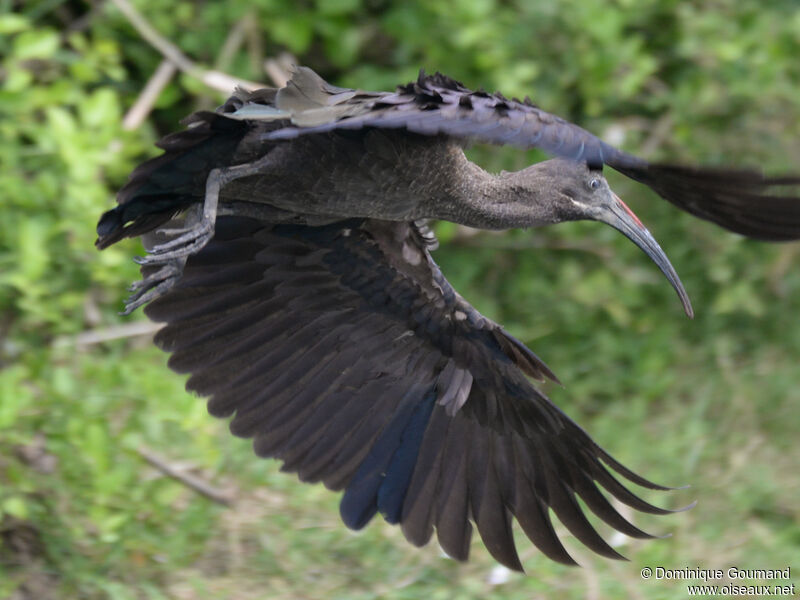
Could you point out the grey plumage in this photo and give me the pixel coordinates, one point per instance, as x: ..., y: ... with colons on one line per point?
x: 302, y: 298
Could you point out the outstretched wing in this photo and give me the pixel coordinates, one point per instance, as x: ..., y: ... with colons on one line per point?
x: 434, y: 104
x: 743, y: 201
x: 344, y: 352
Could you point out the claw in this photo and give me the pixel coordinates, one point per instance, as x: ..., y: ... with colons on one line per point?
x: 202, y: 232
x: 170, y: 256
x: 153, y: 285
x: 182, y: 252
x: 171, y: 270
x: 137, y: 300
x: 190, y: 238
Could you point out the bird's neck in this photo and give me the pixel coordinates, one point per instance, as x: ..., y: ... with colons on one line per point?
x: 479, y: 199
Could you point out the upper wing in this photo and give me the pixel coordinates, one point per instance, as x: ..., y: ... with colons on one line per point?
x: 743, y: 201
x: 434, y: 104
x: 344, y: 352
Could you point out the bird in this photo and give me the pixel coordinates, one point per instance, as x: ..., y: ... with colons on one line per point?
x: 289, y: 255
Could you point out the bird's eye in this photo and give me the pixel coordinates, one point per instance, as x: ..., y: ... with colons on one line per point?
x: 594, y: 184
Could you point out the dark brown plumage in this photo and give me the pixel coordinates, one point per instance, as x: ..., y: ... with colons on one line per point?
x: 302, y: 299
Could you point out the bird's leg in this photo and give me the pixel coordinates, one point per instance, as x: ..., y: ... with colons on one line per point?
x: 155, y: 283
x: 164, y: 263
x: 158, y: 276
x: 197, y: 232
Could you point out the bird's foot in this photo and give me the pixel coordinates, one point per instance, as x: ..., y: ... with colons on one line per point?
x: 189, y: 240
x: 154, y: 284
x: 196, y: 231
x: 185, y: 235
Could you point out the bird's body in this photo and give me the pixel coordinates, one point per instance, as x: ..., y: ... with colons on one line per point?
x: 389, y: 175
x: 381, y: 174
x: 304, y: 301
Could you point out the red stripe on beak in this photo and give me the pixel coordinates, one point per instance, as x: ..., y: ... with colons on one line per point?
x: 629, y: 211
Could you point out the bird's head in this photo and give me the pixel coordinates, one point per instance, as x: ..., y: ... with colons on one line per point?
x: 574, y: 191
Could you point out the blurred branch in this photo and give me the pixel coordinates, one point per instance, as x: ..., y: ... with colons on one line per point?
x: 191, y: 481
x: 144, y: 103
x: 233, y: 42
x: 255, y: 43
x: 213, y: 79
x: 98, y: 336
x: 279, y: 69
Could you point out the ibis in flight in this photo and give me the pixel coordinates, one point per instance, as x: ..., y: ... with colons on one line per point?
x: 288, y: 254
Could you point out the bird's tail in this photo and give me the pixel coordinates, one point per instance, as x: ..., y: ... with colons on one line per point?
x: 165, y: 185
x: 138, y: 217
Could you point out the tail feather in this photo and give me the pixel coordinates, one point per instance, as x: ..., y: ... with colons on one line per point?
x: 161, y: 187
x: 138, y: 217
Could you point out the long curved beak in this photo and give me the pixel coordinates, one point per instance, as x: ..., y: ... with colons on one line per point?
x: 620, y: 217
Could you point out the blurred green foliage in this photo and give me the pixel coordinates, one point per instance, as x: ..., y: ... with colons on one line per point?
x: 712, y: 402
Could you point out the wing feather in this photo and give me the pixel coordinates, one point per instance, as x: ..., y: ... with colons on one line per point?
x: 743, y: 201
x: 489, y: 508
x: 349, y: 363
x: 453, y: 524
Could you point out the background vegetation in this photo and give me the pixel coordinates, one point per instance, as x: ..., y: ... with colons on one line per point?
x: 711, y: 402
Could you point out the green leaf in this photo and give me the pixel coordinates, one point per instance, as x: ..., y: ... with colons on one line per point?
x: 16, y: 506
x: 41, y: 43
x: 13, y: 23
x: 100, y: 109
x: 15, y: 394
x: 296, y: 32
x: 337, y: 7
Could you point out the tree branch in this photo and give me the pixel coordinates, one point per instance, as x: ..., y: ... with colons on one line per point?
x: 213, y: 79
x: 148, y: 96
x: 191, y: 481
